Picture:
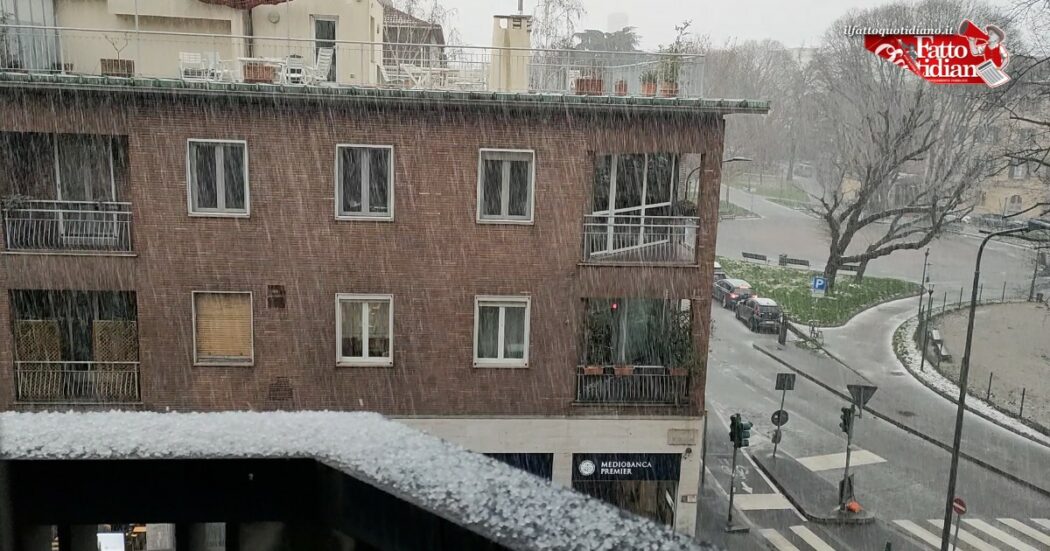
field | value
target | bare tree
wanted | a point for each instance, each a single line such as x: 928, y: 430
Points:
x: 899, y: 158
x: 1026, y: 99
x: 554, y: 23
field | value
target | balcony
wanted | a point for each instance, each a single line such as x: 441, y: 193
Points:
x: 646, y: 385
x: 226, y: 59
x: 639, y: 239
x: 81, y: 226
x: 77, y: 382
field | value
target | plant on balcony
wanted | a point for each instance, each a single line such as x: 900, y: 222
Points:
x: 681, y: 353
x: 649, y: 79
x: 15, y: 201
x: 598, y: 345
x: 671, y: 63
x: 591, y: 81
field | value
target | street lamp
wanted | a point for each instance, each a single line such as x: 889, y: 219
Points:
x: 734, y: 159
x: 925, y: 263
x: 925, y: 327
x: 964, y: 370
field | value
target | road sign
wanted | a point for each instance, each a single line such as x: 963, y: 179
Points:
x: 861, y: 393
x: 818, y: 286
x: 785, y: 381
x: 780, y: 418
x: 959, y: 506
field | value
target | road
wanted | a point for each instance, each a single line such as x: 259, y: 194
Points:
x: 900, y: 477
x: 782, y: 230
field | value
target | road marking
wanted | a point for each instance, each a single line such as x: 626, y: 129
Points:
x: 812, y: 539
x: 998, y: 534
x: 1044, y: 522
x: 751, y: 502
x: 778, y: 540
x: 1026, y: 530
x: 967, y: 537
x: 920, y: 532
x: 838, y: 460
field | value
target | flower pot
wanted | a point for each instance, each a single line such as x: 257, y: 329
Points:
x: 594, y: 370
x: 648, y: 88
x: 623, y: 370
x: 679, y: 372
x: 260, y: 72
x: 669, y: 89
x: 590, y: 86
x: 621, y: 87
x: 117, y: 67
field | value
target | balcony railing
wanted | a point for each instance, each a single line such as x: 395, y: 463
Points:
x: 224, y: 58
x: 646, y: 385
x: 77, y: 382
x: 639, y: 239
x: 33, y: 225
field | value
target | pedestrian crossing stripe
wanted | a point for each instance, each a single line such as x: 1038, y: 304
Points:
x: 778, y: 540
x: 1027, y: 530
x: 970, y: 541
x: 919, y: 532
x: 838, y: 460
x: 966, y: 537
x: 999, y: 534
x: 812, y: 539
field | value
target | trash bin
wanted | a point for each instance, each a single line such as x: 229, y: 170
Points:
x: 1039, y: 297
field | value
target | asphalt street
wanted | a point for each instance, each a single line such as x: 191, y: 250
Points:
x: 900, y: 477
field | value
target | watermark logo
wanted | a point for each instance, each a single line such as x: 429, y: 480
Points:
x: 971, y: 56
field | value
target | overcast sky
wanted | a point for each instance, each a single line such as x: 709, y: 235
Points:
x: 793, y: 22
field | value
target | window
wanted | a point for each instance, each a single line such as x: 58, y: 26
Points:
x: 1018, y: 170
x: 364, y: 326
x: 501, y: 331
x: 638, y: 331
x: 364, y: 181
x: 218, y: 177
x: 324, y: 37
x: 505, y: 185
x: 222, y: 328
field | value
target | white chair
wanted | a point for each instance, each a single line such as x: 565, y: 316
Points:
x: 192, y: 66
x: 323, y: 65
x: 294, y: 71
x: 217, y: 68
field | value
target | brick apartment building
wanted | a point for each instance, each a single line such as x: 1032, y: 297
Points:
x: 527, y: 275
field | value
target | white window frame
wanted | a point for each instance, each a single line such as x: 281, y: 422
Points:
x: 251, y: 319
x: 351, y: 361
x: 366, y: 167
x: 494, y: 154
x: 220, y: 184
x: 503, y: 301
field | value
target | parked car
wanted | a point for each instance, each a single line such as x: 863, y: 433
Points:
x: 720, y: 274
x: 759, y: 313
x: 731, y: 291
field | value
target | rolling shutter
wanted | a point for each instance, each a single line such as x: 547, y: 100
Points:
x: 223, y: 327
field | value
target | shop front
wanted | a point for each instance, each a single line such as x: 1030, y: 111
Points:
x: 643, y: 483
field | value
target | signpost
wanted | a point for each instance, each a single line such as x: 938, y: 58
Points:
x: 785, y: 382
x: 818, y: 286
x: 959, y: 506
x: 861, y: 394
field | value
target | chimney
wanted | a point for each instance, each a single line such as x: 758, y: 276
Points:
x: 511, y: 39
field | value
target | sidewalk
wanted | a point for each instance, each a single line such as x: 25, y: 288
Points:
x: 865, y: 346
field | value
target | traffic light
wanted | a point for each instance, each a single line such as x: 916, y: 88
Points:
x: 744, y: 434
x: 847, y: 420
x: 739, y: 431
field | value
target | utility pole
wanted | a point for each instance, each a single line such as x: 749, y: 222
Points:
x: 739, y: 432
x: 925, y: 262
x: 926, y: 329
x: 846, y: 486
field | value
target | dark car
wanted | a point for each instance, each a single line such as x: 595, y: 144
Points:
x: 759, y: 313
x: 731, y: 291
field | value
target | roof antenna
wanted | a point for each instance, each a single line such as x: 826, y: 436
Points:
x: 521, y: 7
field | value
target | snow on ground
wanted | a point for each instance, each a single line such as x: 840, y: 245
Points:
x: 493, y: 499
x: 911, y: 358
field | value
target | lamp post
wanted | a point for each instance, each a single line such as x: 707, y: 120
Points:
x: 964, y: 371
x: 734, y: 159
x: 925, y: 263
x: 925, y: 327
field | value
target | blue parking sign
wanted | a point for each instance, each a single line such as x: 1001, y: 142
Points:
x: 819, y: 283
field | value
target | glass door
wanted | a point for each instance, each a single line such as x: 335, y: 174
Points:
x: 324, y: 37
x: 632, y: 195
x: 84, y: 176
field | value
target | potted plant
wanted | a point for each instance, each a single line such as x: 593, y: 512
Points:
x: 649, y: 80
x: 594, y: 369
x: 669, y: 70
x: 623, y: 370
x: 681, y: 355
x: 255, y: 71
x: 591, y: 82
x: 621, y: 87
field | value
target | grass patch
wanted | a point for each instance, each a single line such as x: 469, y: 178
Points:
x: 790, y: 288
x: 769, y: 186
x: 789, y: 203
x: 730, y: 209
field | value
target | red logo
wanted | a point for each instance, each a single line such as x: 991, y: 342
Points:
x: 971, y: 56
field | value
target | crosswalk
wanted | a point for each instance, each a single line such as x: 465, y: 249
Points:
x: 1000, y: 534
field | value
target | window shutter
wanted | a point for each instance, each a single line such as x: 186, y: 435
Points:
x: 116, y: 341
x: 37, y: 341
x: 223, y: 326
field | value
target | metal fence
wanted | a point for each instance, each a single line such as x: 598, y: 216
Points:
x: 67, y: 225
x: 77, y: 382
x: 645, y: 385
x: 639, y: 238
x: 231, y: 58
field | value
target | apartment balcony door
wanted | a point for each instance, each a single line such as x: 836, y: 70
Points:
x: 631, y: 193
x: 324, y: 37
x: 86, y: 187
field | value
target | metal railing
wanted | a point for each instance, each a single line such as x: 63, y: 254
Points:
x: 226, y: 58
x: 639, y: 239
x: 77, y: 382
x: 645, y: 385
x: 67, y: 225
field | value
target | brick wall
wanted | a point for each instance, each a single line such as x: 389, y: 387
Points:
x: 434, y: 258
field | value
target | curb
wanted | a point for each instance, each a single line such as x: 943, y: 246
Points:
x: 1030, y: 424
x: 866, y: 518
x: 979, y: 462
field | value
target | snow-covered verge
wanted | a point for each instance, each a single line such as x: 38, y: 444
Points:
x: 495, y: 500
x: 908, y: 353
